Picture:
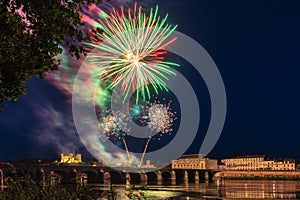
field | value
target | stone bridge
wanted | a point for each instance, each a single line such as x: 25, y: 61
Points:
x: 102, y: 174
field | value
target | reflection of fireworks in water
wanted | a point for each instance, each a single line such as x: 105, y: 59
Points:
x: 132, y: 51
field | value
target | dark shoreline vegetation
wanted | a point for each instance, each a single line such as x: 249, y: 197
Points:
x: 30, y: 187
x: 27, y: 186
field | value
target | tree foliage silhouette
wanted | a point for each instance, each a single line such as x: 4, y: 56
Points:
x: 31, y: 32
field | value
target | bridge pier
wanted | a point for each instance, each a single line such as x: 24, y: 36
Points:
x: 101, y: 175
x: 206, y: 176
x: 144, y: 179
x: 80, y: 177
x: 127, y: 186
x: 173, y: 177
x: 107, y: 178
x: 196, y: 177
x: 159, y: 178
x: 54, y: 179
x: 186, y: 176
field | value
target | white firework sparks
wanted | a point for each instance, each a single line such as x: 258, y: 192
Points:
x: 158, y: 116
x: 161, y: 118
x: 114, y: 123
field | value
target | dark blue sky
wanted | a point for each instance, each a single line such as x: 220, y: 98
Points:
x: 256, y: 46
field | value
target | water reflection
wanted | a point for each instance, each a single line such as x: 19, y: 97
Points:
x: 260, y: 189
x: 229, y: 189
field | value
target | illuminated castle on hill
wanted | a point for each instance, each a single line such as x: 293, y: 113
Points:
x: 71, y: 158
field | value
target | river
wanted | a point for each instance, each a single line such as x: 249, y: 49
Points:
x: 228, y: 189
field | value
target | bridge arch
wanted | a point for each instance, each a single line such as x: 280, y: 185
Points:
x: 152, y: 178
x: 192, y: 176
x: 166, y: 177
x: 135, y: 178
x: 179, y: 176
x: 116, y: 177
x: 92, y: 176
x: 66, y: 177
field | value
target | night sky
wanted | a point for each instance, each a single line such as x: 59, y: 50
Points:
x: 256, y: 46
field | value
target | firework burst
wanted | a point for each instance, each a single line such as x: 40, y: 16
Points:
x: 114, y: 124
x: 131, y: 51
x: 161, y: 118
x: 158, y: 116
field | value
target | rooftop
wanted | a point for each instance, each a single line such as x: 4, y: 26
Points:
x: 191, y: 156
x: 252, y: 156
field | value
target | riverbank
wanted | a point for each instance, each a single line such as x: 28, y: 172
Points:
x: 259, y: 175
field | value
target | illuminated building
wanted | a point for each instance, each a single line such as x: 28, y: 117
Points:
x: 258, y: 163
x: 71, y: 158
x: 194, y: 162
x: 148, y: 164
